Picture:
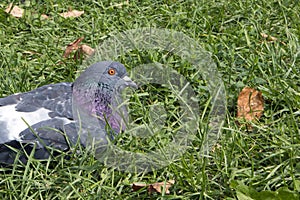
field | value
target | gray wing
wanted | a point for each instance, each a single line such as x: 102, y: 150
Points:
x: 58, y: 131
x: 54, y: 97
x: 46, y: 102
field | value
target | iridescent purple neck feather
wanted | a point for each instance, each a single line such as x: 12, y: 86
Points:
x: 96, y: 93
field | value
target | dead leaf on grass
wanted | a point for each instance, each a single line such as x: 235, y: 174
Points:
x: 120, y: 5
x: 250, y: 104
x: 80, y: 50
x: 44, y: 16
x: 87, y: 50
x: 71, y: 13
x: 137, y: 186
x: 271, y: 39
x: 268, y: 37
x: 73, y: 46
x: 83, y: 50
x: 216, y: 147
x: 158, y: 187
x: 14, y: 11
x: 154, y: 187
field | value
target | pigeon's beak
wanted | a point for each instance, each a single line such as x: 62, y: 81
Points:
x: 129, y: 82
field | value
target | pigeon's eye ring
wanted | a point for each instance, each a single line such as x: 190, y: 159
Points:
x: 111, y: 71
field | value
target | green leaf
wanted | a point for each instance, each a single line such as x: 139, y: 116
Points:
x: 243, y: 191
x: 285, y: 193
x: 265, y: 195
x: 242, y: 196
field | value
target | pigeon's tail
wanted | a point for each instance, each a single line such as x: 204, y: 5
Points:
x: 40, y: 144
x: 15, y: 152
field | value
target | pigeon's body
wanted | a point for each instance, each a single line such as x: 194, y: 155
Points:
x: 44, y: 117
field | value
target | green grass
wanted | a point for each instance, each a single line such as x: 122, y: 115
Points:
x: 244, y: 163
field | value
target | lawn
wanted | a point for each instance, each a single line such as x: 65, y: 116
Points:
x: 253, y: 43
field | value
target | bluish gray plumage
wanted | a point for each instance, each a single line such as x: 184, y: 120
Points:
x: 49, y: 110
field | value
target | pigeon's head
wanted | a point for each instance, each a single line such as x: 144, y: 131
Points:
x: 115, y: 75
x: 97, y: 92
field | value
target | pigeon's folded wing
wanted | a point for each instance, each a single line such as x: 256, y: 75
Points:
x: 19, y: 111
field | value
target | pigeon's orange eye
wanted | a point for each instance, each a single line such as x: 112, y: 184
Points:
x: 111, y: 71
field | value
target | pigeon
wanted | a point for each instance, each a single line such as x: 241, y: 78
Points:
x: 49, y: 117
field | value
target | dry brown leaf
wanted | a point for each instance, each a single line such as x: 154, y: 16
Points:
x: 271, y: 39
x: 250, y: 104
x: 71, y: 13
x: 80, y: 50
x: 137, y: 186
x: 44, y: 16
x: 14, y: 11
x: 157, y: 187
x: 73, y: 46
x: 154, y: 187
x: 83, y: 50
x: 87, y: 50
x: 268, y: 37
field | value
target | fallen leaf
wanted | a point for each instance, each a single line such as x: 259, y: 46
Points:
x: 250, y: 104
x: 14, y: 11
x: 87, y: 50
x: 216, y: 147
x: 137, y: 186
x: 71, y: 13
x: 83, y: 50
x: 120, y: 5
x: 157, y: 187
x: 268, y: 37
x: 154, y: 187
x: 73, y: 46
x: 43, y: 16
